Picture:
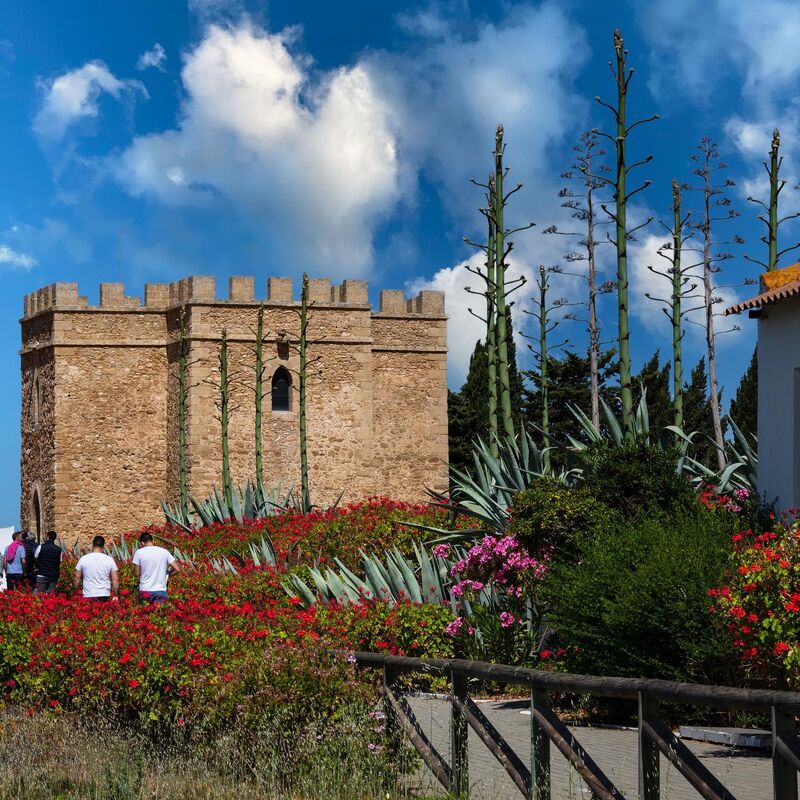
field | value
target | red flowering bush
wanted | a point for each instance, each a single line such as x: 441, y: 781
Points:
x: 374, y: 526
x: 759, y: 605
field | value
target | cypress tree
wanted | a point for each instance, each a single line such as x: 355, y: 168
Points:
x: 569, y: 384
x: 698, y: 416
x: 468, y: 409
x: 654, y: 379
x: 744, y: 406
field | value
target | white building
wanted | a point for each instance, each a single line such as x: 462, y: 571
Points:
x: 777, y: 309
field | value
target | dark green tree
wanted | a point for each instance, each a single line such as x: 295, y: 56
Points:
x: 654, y: 380
x: 744, y: 406
x: 569, y: 384
x: 698, y: 416
x: 468, y: 409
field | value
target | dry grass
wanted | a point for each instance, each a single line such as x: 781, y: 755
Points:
x: 47, y: 757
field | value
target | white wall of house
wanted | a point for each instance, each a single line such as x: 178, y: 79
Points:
x: 779, y: 403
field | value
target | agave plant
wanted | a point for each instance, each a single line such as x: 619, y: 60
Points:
x: 485, y: 492
x: 427, y: 579
x: 740, y: 470
x: 251, y: 501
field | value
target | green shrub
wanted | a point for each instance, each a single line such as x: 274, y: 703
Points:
x: 636, y: 604
x: 549, y: 514
x: 635, y: 478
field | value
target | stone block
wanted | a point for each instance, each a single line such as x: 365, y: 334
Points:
x: 393, y: 301
x: 355, y: 292
x: 430, y: 303
x: 319, y: 290
x: 157, y: 295
x: 242, y: 288
x: 112, y: 295
x: 279, y: 290
x: 65, y: 294
x: 202, y: 288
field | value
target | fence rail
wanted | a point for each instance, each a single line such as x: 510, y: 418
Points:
x: 654, y: 737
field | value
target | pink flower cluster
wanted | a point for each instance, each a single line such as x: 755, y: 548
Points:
x: 500, y: 560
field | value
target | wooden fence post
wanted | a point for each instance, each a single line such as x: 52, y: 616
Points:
x: 459, y: 738
x: 784, y: 773
x: 540, y: 749
x: 649, y: 756
x: 393, y: 737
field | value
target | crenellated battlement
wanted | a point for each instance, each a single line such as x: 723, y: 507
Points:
x: 241, y: 289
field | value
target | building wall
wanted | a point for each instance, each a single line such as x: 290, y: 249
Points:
x: 779, y: 404
x: 103, y: 453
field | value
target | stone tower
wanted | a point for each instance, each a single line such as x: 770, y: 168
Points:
x: 99, y: 397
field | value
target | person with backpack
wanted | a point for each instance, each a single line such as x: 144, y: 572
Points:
x: 48, y: 557
x: 14, y: 562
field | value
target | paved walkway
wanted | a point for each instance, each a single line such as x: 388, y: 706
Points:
x: 748, y: 774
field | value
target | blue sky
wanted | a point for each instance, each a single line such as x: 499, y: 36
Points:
x: 147, y: 141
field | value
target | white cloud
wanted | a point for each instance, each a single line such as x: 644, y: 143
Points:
x: 314, y: 158
x: 75, y: 94
x: 154, y: 57
x: 449, y: 96
x: 12, y: 258
x: 644, y: 253
x: 696, y: 43
x: 463, y: 327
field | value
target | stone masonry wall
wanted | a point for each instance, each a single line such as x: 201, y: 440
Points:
x: 104, y: 451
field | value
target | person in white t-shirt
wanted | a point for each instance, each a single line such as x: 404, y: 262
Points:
x: 98, y: 572
x: 153, y: 565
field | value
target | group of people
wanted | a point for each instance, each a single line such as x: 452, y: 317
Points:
x: 38, y: 566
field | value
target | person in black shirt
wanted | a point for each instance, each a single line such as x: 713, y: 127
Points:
x: 48, y: 563
x: 30, y: 559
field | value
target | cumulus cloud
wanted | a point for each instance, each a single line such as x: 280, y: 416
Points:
x: 153, y: 58
x: 464, y: 329
x: 449, y: 95
x: 643, y: 281
x: 12, y: 258
x: 75, y: 95
x: 315, y: 158
x: 696, y: 43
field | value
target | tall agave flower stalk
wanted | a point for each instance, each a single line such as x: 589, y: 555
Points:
x: 681, y: 288
x: 225, y: 416
x: 496, y: 291
x: 772, y: 219
x: 302, y: 377
x: 677, y: 294
x: 491, y: 331
x: 589, y: 170
x: 715, y: 208
x: 182, y: 376
x: 500, y: 288
x: 541, y: 312
x: 619, y: 216
x: 259, y: 393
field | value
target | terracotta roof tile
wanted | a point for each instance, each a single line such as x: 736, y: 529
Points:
x: 767, y: 298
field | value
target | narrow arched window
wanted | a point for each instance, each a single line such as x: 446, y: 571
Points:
x: 37, y: 515
x: 281, y: 390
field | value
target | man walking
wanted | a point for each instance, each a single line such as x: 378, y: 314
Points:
x: 48, y: 563
x: 153, y: 565
x: 14, y: 562
x: 98, y: 573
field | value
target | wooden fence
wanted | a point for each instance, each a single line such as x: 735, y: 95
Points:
x: 547, y: 728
